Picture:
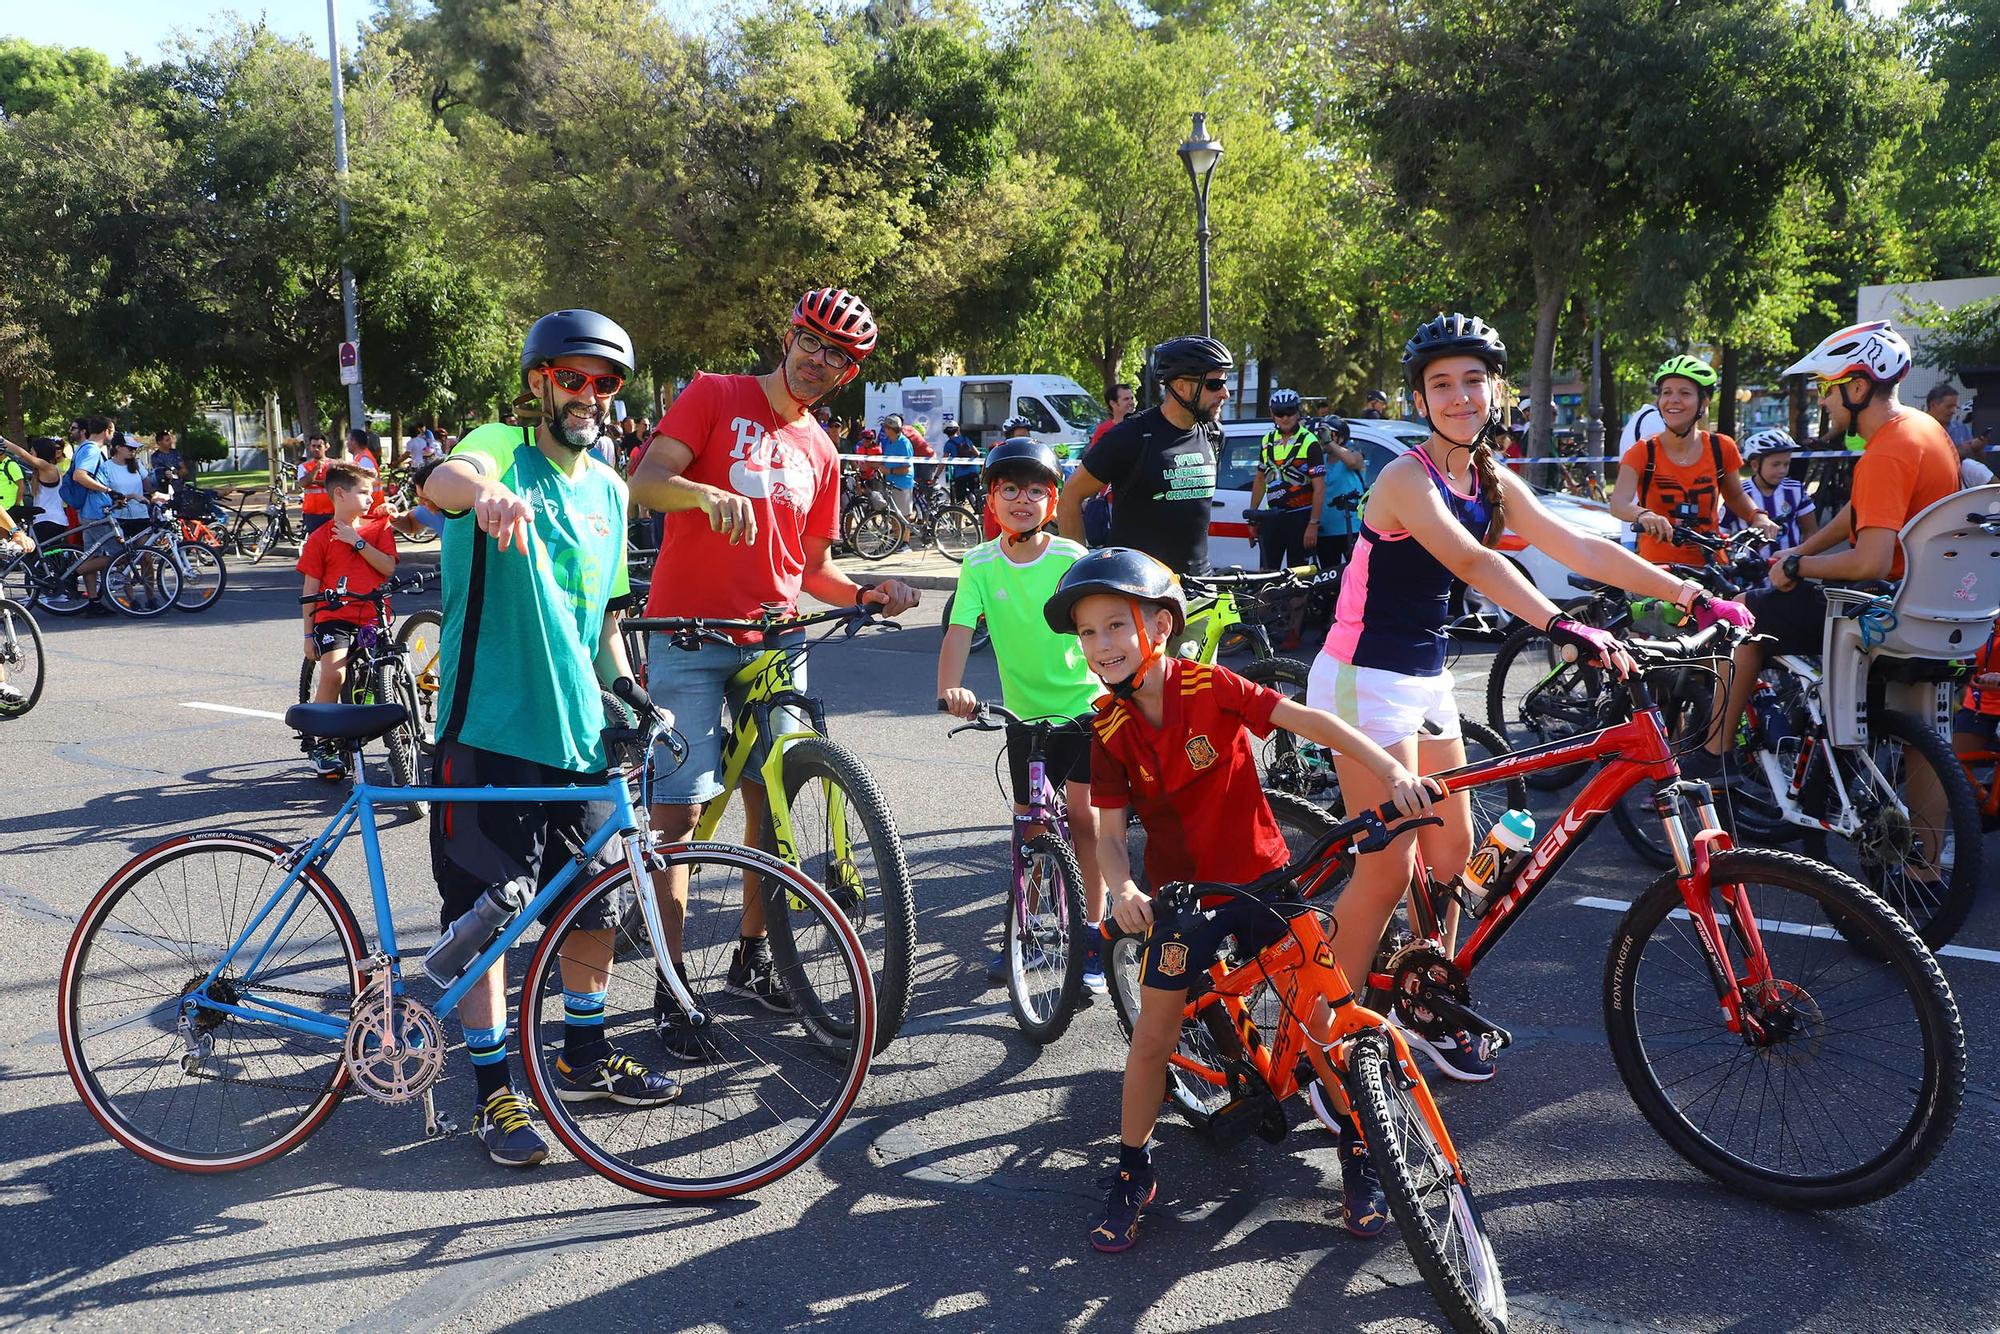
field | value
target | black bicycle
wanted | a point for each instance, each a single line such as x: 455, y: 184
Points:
x: 379, y: 671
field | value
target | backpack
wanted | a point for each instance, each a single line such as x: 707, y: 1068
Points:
x: 74, y: 493
x: 1653, y: 462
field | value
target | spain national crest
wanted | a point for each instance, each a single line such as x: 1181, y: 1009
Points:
x: 1173, y: 959
x: 1199, y: 752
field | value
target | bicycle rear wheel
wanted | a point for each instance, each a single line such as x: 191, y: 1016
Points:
x: 1197, y: 1093
x: 197, y: 1088
x: 1858, y: 1080
x: 1044, y: 939
x: 1286, y: 762
x: 55, y: 588
x: 872, y: 533
x: 1920, y: 843
x: 203, y: 578
x: 21, y: 659
x: 418, y: 639
x: 1430, y: 1198
x: 956, y: 530
x: 765, y: 1091
x: 844, y: 837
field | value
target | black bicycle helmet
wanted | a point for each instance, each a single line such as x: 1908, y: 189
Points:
x: 1119, y: 570
x: 1190, y: 354
x: 1283, y: 401
x: 1335, y: 426
x: 576, y: 333
x: 1021, y: 457
x: 1453, y: 335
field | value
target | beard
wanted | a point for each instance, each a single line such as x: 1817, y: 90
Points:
x: 574, y: 435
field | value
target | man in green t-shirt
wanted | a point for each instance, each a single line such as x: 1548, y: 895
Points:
x: 533, y: 566
x: 1042, y: 674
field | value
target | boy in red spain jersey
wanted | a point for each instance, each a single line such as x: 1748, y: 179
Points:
x: 1172, y: 740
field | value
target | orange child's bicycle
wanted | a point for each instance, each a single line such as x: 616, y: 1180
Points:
x: 1323, y: 1031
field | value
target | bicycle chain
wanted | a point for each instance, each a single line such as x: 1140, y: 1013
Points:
x: 267, y: 1083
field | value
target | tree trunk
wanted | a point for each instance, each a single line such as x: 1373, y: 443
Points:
x: 1797, y: 414
x: 1725, y: 393
x: 1551, y: 291
x: 17, y: 420
x: 1263, y: 383
x: 391, y: 448
x: 302, y: 399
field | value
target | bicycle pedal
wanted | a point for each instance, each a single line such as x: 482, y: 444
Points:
x: 437, y: 1125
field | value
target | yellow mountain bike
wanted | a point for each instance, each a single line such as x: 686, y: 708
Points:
x: 826, y: 815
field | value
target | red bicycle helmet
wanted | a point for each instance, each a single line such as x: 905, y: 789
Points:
x: 837, y: 315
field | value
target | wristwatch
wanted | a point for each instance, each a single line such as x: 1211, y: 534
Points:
x: 1791, y: 568
x: 360, y: 544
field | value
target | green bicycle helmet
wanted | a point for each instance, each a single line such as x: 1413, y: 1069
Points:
x: 1687, y: 368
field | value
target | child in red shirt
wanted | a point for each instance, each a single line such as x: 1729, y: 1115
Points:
x: 1173, y: 741
x: 1975, y: 728
x: 360, y: 548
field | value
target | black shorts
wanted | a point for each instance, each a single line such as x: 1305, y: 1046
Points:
x: 1985, y: 726
x: 1178, y: 952
x: 1281, y: 538
x: 1065, y: 758
x: 330, y: 635
x: 1796, y: 620
x: 477, y: 845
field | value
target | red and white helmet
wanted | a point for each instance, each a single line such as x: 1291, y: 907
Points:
x: 837, y: 315
x: 1872, y: 349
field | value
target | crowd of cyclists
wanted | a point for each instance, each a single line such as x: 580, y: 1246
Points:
x: 1085, y: 626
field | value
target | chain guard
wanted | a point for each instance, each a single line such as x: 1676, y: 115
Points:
x: 1420, y: 969
x: 395, y: 1045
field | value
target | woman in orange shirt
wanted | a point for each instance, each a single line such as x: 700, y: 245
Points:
x: 1683, y: 474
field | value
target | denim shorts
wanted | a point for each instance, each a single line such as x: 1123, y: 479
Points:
x: 694, y: 684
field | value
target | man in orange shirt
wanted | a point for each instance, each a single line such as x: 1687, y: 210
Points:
x: 1907, y: 463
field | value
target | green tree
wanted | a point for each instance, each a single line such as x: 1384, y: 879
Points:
x: 1952, y: 175
x: 35, y: 77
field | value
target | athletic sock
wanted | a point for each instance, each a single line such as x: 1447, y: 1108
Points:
x: 583, y: 1028
x: 1134, y: 1161
x: 488, y: 1049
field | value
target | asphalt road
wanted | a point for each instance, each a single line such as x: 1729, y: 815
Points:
x: 960, y: 1191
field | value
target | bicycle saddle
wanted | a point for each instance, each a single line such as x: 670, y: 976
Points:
x: 345, y: 722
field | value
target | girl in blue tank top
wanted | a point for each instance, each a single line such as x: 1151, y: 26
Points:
x: 1435, y: 515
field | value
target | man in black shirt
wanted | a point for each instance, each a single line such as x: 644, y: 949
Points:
x: 1161, y: 461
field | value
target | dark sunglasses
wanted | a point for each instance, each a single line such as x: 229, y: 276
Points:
x: 572, y: 381
x: 1287, y: 412
x: 1215, y: 386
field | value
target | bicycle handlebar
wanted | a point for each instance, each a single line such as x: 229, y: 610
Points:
x: 1370, y: 831
x: 338, y: 596
x: 988, y: 717
x: 690, y: 631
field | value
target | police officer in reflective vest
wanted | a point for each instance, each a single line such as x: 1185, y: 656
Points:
x: 1291, y: 477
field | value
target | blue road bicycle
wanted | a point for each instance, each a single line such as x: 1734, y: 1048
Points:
x: 218, y: 996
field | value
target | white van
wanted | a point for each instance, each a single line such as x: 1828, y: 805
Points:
x: 1060, y: 410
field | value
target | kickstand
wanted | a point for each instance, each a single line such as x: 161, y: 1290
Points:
x: 436, y: 1124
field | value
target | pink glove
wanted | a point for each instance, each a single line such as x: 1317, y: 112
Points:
x: 1592, y: 645
x: 1708, y: 610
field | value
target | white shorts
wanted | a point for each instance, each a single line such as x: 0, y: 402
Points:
x: 1384, y: 706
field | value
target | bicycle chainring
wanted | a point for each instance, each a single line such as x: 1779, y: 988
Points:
x: 1419, y: 969
x: 395, y: 1045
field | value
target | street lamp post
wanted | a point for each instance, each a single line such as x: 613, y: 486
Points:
x: 355, y: 415
x: 1200, y: 154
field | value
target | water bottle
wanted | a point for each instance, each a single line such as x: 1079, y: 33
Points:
x: 1511, y: 834
x: 1774, y: 722
x: 474, y: 931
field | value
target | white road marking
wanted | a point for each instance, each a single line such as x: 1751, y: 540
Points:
x: 1792, y: 929
x: 231, y: 708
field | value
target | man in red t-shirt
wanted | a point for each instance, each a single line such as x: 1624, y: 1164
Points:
x: 1173, y: 743
x: 1907, y: 464
x: 353, y: 551
x: 750, y: 488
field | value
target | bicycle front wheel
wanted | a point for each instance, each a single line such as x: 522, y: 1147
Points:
x: 180, y: 1083
x: 203, y: 577
x: 21, y: 660
x: 57, y: 589
x: 760, y: 1091
x: 1427, y: 1192
x: 872, y: 533
x: 843, y: 837
x: 392, y: 687
x: 418, y: 639
x: 1045, y: 939
x: 1853, y: 1076
x: 256, y: 534
x: 956, y: 530
x: 142, y: 583
x: 1919, y: 844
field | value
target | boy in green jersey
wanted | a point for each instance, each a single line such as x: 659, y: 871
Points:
x: 1042, y: 674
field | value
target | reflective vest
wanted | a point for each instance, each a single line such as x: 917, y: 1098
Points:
x: 1284, y: 463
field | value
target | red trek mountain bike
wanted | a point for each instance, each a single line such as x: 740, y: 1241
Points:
x: 1777, y: 1023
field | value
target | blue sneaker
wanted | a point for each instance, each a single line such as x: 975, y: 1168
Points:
x: 615, y: 1076
x: 1364, y: 1209
x: 1130, y: 1192
x: 1459, y: 1056
x: 502, y: 1127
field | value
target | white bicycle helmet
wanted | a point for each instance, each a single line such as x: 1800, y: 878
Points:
x: 1770, y: 440
x: 1873, y: 349
x: 1284, y: 401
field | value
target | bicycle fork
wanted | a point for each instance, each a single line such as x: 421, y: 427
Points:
x: 1692, y: 858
